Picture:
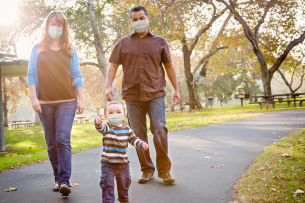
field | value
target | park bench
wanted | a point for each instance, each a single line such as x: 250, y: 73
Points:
x: 278, y: 98
x: 19, y: 124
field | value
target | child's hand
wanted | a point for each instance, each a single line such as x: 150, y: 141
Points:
x: 99, y: 120
x: 145, y: 147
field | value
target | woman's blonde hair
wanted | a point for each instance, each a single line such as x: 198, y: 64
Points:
x: 66, y: 38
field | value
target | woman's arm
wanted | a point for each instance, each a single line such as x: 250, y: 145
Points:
x: 81, y: 102
x: 35, y: 102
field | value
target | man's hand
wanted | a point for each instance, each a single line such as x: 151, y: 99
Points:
x: 176, y: 97
x: 36, y: 105
x: 80, y: 106
x: 145, y: 147
x: 109, y: 93
x: 99, y: 120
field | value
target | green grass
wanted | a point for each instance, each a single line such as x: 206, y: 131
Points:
x: 27, y: 145
x: 277, y: 173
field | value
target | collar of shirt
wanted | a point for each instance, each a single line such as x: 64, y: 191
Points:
x: 134, y: 34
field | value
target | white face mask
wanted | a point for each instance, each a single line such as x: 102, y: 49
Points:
x: 55, y: 31
x: 116, y: 118
x: 140, y: 25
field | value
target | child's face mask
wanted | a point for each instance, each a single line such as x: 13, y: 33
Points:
x: 116, y: 118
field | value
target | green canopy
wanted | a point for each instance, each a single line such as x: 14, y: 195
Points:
x: 10, y: 66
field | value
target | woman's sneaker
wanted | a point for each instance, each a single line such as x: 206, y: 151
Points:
x: 56, y: 187
x: 64, y: 189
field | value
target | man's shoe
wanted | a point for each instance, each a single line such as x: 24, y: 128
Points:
x: 167, y: 178
x: 64, y: 189
x: 146, y: 176
x: 56, y: 187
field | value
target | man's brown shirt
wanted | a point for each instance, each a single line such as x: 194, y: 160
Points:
x: 142, y: 59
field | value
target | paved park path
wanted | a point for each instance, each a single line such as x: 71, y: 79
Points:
x: 207, y: 161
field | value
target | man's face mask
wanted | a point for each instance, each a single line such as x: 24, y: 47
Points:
x: 140, y: 25
x: 55, y: 31
x: 116, y: 118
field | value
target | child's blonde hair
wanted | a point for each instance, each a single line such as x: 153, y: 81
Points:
x: 113, y: 102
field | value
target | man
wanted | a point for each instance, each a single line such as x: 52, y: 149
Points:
x: 142, y: 55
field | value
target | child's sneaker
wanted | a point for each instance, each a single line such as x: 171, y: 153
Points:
x: 64, y: 189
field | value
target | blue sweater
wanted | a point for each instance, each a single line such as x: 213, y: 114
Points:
x: 74, y: 68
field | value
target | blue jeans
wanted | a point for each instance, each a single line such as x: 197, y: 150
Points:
x: 57, y: 120
x: 121, y: 173
x: 155, y: 109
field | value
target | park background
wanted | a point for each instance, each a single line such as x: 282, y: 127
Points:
x: 220, y: 49
x: 211, y: 51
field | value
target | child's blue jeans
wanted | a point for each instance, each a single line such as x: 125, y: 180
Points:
x: 119, y: 171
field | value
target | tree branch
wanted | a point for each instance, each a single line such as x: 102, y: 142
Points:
x: 283, y: 56
x: 261, y: 21
x: 205, y: 57
x: 205, y: 28
x: 285, y: 80
x: 206, y: 62
x: 88, y: 63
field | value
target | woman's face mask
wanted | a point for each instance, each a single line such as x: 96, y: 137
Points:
x: 116, y: 118
x: 55, y: 31
x: 140, y: 25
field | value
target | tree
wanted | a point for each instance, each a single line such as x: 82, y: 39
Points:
x: 181, y: 18
x: 224, y: 87
x: 277, y: 13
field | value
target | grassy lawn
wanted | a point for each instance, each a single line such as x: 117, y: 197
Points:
x: 27, y: 145
x: 277, y: 173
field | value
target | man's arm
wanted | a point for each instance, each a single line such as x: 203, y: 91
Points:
x: 110, y: 77
x: 171, y: 73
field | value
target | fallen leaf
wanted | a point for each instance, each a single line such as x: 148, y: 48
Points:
x: 10, y: 189
x: 299, y: 192
x: 213, y: 166
x: 286, y: 155
x: 261, y: 168
x: 74, y: 184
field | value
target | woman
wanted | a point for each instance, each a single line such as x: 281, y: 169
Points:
x: 55, y: 86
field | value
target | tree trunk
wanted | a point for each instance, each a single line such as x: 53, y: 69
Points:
x: 189, y: 78
x: 5, y: 111
x: 100, y: 53
x: 2, y: 140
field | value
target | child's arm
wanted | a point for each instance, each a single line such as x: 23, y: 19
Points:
x: 99, y: 125
x: 136, y: 142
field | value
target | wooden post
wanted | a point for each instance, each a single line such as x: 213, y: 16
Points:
x: 2, y: 140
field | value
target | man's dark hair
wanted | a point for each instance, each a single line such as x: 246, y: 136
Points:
x: 139, y: 8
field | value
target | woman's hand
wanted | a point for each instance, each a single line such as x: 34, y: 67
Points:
x: 36, y: 105
x: 80, y: 106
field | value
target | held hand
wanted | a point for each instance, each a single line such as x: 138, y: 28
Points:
x: 99, y: 120
x: 176, y: 97
x: 109, y: 94
x: 80, y: 107
x: 145, y: 147
x: 36, y: 105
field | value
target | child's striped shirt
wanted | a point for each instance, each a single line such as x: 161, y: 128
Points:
x: 115, y: 142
